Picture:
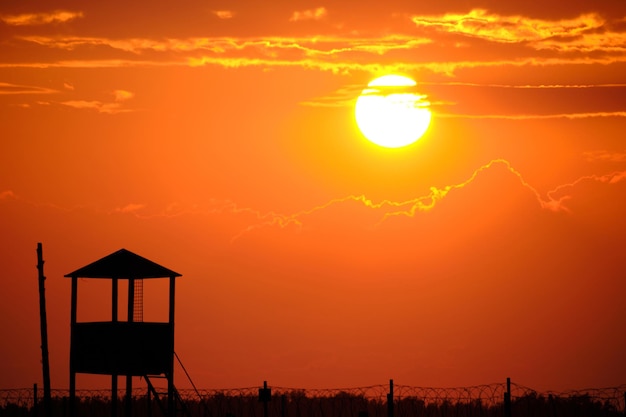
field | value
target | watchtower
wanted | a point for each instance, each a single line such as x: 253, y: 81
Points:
x: 123, y: 348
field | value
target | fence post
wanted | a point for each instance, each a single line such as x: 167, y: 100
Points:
x: 390, y: 399
x: 507, y: 399
x: 265, y: 395
x: 283, y: 405
x: 35, y: 411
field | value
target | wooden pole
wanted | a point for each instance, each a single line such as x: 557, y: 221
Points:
x: 390, y: 399
x: 73, y: 319
x: 265, y: 399
x: 171, y: 411
x: 114, y: 308
x: 45, y: 363
x: 507, y: 398
x: 35, y: 411
x: 129, y: 378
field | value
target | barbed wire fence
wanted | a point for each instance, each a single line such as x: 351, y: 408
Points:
x: 368, y: 401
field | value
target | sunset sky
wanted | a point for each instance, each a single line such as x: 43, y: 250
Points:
x: 218, y: 139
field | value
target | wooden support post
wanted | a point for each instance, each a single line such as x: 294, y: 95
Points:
x: 390, y: 399
x: 507, y: 399
x: 129, y: 378
x: 265, y: 395
x: 283, y: 405
x: 73, y: 315
x: 43, y: 321
x: 171, y: 411
x: 114, y: 319
x: 35, y: 411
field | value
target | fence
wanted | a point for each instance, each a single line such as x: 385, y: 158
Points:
x: 371, y: 401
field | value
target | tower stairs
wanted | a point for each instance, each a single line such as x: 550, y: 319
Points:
x: 160, y: 396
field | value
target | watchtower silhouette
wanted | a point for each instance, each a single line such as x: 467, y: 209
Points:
x: 129, y: 348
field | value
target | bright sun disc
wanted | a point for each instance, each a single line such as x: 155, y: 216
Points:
x: 390, y: 114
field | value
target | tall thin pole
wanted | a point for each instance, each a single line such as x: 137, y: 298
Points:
x: 266, y: 397
x: 114, y: 308
x: 45, y: 363
x: 390, y: 399
x: 507, y: 398
x: 129, y: 378
x: 73, y: 319
x: 171, y: 411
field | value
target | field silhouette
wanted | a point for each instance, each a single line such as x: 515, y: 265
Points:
x: 477, y: 401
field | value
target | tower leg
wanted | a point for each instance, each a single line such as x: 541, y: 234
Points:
x: 129, y: 393
x: 72, y: 393
x: 113, y: 395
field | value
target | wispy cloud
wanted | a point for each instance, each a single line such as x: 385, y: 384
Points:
x: 605, y: 156
x: 340, y: 54
x: 309, y: 14
x: 114, y: 107
x: 554, y: 200
x: 606, y: 41
x: 31, y: 19
x: 526, y: 86
x: 480, y: 23
x: 8, y: 88
x: 259, y: 46
x: 338, y: 66
x: 570, y: 116
x: 7, y: 194
x: 224, y: 14
x: 585, y: 33
x: 129, y: 208
x: 345, y: 96
x: 122, y: 95
x: 446, y: 68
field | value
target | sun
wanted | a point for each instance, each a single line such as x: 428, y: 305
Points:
x: 389, y: 113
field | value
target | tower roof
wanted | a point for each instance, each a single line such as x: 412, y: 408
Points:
x: 123, y: 264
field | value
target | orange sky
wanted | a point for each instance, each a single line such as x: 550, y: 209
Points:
x: 218, y: 139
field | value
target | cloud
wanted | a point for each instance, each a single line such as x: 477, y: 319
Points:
x: 335, y: 65
x: 612, y: 178
x: 30, y: 19
x: 7, y: 194
x: 345, y: 96
x: 610, y: 42
x: 129, y: 208
x: 8, y: 88
x: 122, y: 95
x: 224, y: 14
x: 570, y: 116
x: 584, y: 33
x: 309, y: 14
x: 444, y: 68
x: 525, y: 86
x: 479, y: 23
x: 119, y: 97
x: 387, y: 209
x: 261, y: 46
x: 553, y: 201
x: 339, y: 54
x: 605, y: 156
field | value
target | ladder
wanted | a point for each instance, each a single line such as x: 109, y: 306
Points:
x: 161, y: 399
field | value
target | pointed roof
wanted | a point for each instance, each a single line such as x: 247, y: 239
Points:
x: 123, y: 264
